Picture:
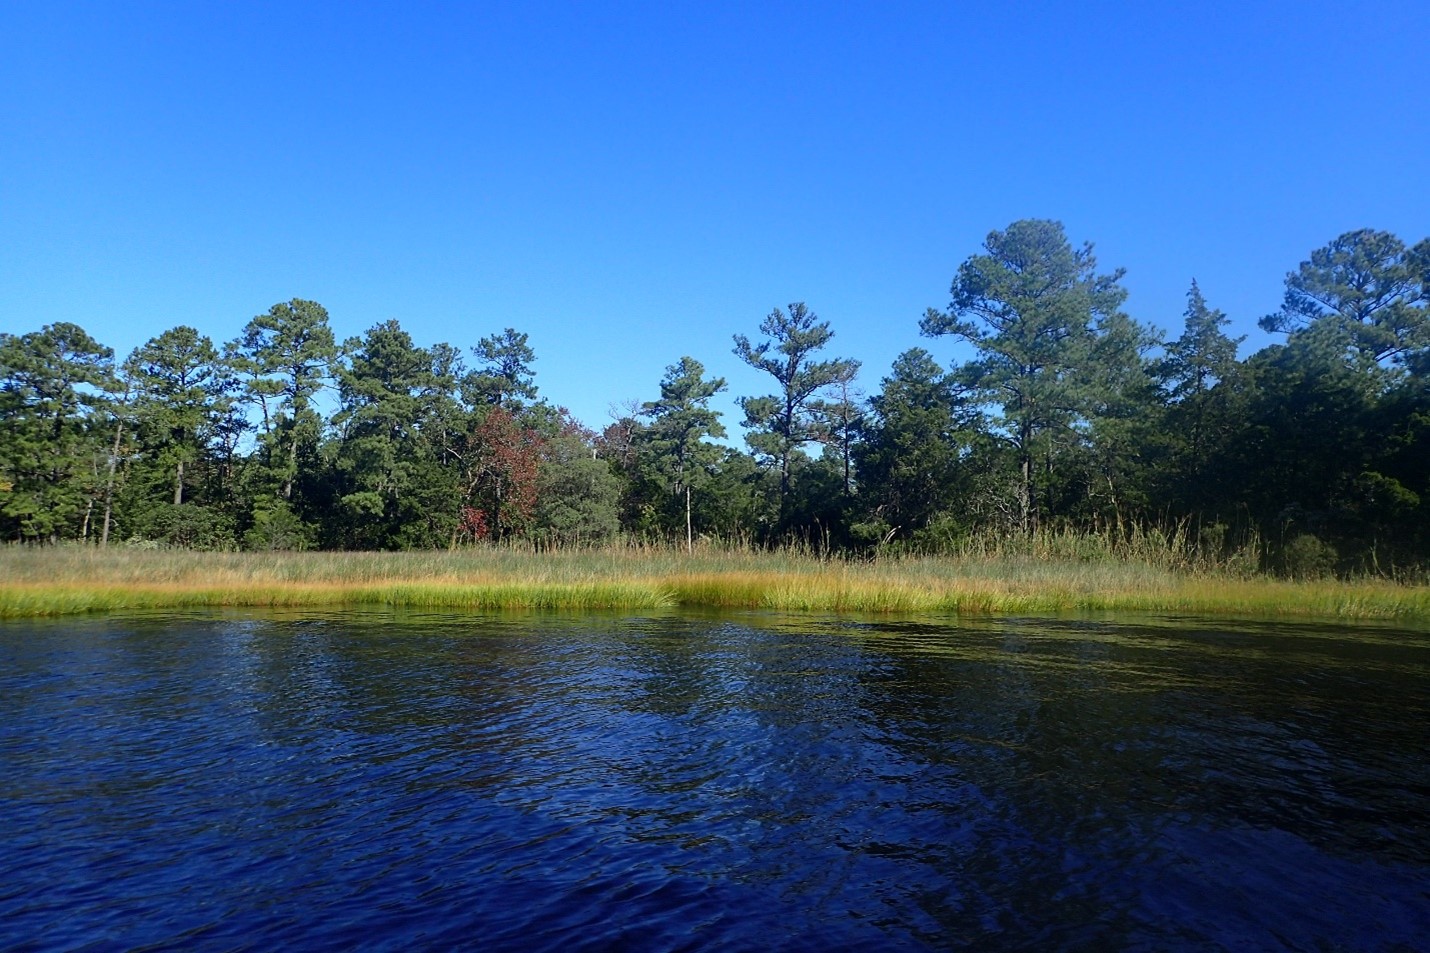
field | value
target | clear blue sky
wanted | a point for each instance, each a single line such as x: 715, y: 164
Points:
x: 631, y: 182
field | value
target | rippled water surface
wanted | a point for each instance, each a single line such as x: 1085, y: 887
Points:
x: 711, y: 783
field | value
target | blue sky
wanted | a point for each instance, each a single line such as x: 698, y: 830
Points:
x: 631, y: 182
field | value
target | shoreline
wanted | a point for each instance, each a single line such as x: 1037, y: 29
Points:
x: 72, y: 581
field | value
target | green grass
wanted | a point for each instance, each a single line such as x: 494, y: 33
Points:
x: 1014, y: 580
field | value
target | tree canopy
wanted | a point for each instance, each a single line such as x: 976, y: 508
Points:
x: 1067, y: 415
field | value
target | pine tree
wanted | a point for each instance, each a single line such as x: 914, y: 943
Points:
x: 1370, y: 285
x: 287, y: 356
x: 909, y: 460
x: 504, y: 378
x: 782, y: 423
x: 1032, y: 307
x: 182, y: 396
x: 674, y: 443
x: 394, y: 491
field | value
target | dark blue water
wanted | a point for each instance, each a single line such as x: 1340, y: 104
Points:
x: 708, y: 783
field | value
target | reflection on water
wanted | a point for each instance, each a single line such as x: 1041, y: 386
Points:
x: 706, y: 782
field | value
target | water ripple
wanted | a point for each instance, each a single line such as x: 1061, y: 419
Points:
x: 687, y: 783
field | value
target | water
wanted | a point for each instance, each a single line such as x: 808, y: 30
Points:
x: 711, y: 783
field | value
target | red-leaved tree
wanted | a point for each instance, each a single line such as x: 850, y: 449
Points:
x: 504, y: 458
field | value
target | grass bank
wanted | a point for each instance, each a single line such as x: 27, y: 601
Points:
x: 67, y: 580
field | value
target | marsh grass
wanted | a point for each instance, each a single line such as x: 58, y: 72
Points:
x: 1057, y: 576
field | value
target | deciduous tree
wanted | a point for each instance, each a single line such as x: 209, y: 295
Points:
x: 505, y: 464
x: 577, y: 494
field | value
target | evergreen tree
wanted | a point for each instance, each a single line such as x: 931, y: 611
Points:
x: 909, y: 462
x: 1305, y: 438
x: 1205, y: 387
x: 52, y: 392
x: 736, y: 502
x: 674, y: 443
x: 1370, y: 285
x: 1392, y: 494
x: 184, y: 419
x: 1122, y: 423
x: 1032, y: 306
x: 1323, y: 456
x: 287, y: 356
x: 504, y: 378
x: 394, y: 491
x: 182, y: 396
x: 782, y: 423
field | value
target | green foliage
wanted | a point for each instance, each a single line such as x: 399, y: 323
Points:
x: 1047, y: 330
x: 577, y: 495
x: 286, y: 356
x: 1202, y: 357
x: 1305, y: 556
x: 1304, y: 437
x: 1207, y: 391
x: 393, y: 491
x: 53, y: 385
x: 186, y: 526
x: 910, y: 460
x: 1367, y: 285
x: 1064, y: 437
x: 277, y: 528
x: 738, y: 504
x: 781, y: 423
x: 673, y: 448
x: 505, y: 377
x: 183, y: 402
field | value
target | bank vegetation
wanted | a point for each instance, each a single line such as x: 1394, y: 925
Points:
x: 1046, y: 428
x: 1050, y: 573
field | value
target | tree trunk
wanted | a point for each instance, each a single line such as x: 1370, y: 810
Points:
x: 848, y: 481
x: 496, y: 513
x: 1025, y: 481
x: 689, y: 537
x: 292, y: 465
x: 179, y: 484
x: 109, y: 484
x: 784, y: 484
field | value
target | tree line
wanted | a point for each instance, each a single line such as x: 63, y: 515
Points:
x: 1071, y: 415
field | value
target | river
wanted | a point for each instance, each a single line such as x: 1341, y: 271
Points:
x: 711, y: 782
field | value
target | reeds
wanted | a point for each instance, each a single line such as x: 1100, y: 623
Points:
x: 1016, y: 579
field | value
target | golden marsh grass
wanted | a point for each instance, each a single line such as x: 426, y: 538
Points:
x: 65, y: 580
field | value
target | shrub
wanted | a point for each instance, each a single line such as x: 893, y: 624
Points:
x: 1307, y: 557
x: 277, y: 527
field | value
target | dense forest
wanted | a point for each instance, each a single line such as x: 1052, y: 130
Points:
x: 1071, y: 416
